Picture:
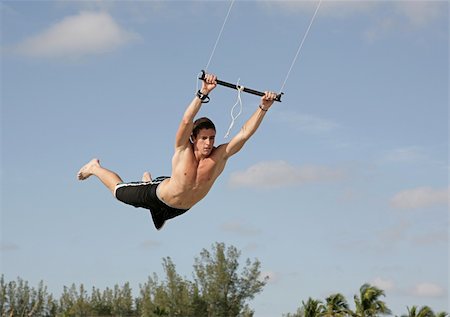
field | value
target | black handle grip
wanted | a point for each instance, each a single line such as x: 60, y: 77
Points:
x: 245, y: 89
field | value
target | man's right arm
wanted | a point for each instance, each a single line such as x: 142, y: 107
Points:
x: 187, y: 122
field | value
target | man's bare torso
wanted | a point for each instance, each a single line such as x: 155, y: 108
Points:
x: 191, y: 178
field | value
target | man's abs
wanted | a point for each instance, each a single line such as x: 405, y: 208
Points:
x: 181, y: 196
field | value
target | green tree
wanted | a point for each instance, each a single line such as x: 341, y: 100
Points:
x: 144, y: 303
x: 122, y: 302
x: 175, y: 293
x: 424, y: 311
x: 100, y: 303
x: 20, y: 299
x: 368, y: 303
x: 171, y: 297
x: 312, y: 308
x: 223, y: 288
x: 199, y: 305
x: 335, y: 306
x: 40, y: 302
x: 17, y: 298
x: 75, y: 302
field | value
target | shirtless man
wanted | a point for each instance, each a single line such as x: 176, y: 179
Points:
x: 196, y: 163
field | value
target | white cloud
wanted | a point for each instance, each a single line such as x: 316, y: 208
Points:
x: 83, y: 34
x: 333, y: 8
x: 424, y: 289
x: 431, y: 238
x: 427, y: 289
x: 391, y: 235
x: 384, y: 284
x: 405, y: 154
x: 416, y: 13
x: 419, y: 13
x: 405, y: 16
x: 383, y: 17
x: 420, y: 197
x: 306, y: 122
x: 281, y: 173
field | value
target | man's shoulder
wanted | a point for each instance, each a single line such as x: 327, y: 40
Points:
x: 219, y: 151
x: 220, y: 147
x: 185, y: 147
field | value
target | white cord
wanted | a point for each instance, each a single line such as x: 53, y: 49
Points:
x: 238, y: 101
x: 220, y: 34
x: 300, y: 46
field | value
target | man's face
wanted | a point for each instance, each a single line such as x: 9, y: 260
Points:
x: 204, y: 142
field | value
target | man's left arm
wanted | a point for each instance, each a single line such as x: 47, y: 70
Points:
x: 250, y: 127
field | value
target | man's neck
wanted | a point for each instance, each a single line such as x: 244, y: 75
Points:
x: 200, y: 157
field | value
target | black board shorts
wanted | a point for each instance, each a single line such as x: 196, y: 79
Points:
x: 143, y: 195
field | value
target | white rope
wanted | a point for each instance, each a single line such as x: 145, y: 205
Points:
x: 241, y: 88
x: 219, y: 36
x: 301, y: 45
x: 238, y: 101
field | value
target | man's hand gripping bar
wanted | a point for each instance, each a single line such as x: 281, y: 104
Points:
x: 245, y: 89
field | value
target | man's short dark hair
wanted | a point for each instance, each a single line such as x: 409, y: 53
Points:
x: 202, y: 123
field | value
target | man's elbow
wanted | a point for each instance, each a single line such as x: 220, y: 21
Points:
x: 245, y: 134
x: 186, y: 119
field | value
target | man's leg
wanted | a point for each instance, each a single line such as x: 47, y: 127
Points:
x: 107, y: 177
x: 146, y: 177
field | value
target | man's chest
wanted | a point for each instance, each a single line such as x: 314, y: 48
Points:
x: 204, y: 171
x: 197, y: 171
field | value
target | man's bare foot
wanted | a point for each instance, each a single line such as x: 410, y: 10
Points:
x: 146, y: 177
x: 88, y: 169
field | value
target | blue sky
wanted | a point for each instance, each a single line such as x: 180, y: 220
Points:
x: 346, y: 182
